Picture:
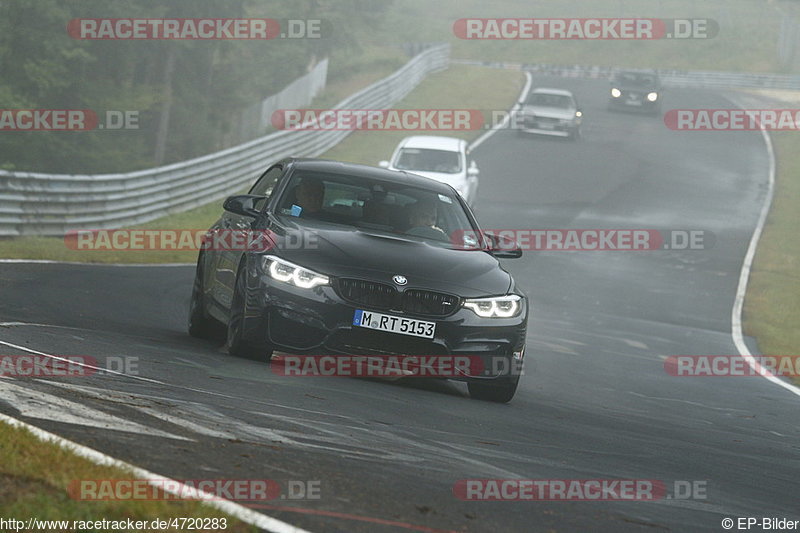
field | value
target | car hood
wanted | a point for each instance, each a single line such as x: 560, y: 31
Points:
x: 552, y: 112
x: 349, y: 252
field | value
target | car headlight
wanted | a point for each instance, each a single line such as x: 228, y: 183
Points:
x: 578, y: 114
x: 286, y: 272
x: 616, y: 93
x: 652, y: 96
x: 495, y: 307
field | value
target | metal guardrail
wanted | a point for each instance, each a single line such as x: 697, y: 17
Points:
x: 671, y: 78
x: 51, y: 204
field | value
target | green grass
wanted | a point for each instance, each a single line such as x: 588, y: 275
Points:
x: 35, y: 475
x: 460, y: 86
x: 772, y: 303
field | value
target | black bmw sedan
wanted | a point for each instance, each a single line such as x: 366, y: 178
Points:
x: 362, y: 261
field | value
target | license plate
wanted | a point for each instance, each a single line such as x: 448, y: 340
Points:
x: 394, y: 324
x: 546, y: 125
x: 634, y: 101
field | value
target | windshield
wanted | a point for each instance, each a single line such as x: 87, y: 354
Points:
x: 636, y: 78
x: 560, y: 101
x: 377, y: 206
x: 428, y: 160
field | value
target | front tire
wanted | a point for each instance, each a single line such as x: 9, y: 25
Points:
x: 239, y: 345
x: 501, y: 391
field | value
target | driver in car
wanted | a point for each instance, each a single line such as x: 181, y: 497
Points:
x: 309, y: 199
x: 310, y: 194
x: 422, y: 217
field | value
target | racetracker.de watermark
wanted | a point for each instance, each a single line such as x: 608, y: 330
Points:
x: 245, y: 240
x: 584, y: 239
x: 732, y: 365
x: 194, y: 28
x: 732, y: 119
x: 559, y: 490
x: 192, y: 489
x: 584, y: 28
x: 635, y: 490
x: 378, y: 119
x: 392, y: 366
x: 41, y: 366
x: 66, y: 366
x: 25, y: 120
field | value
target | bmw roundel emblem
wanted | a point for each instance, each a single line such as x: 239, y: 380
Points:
x: 400, y: 280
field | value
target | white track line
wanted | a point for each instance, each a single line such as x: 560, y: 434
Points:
x: 31, y: 403
x: 744, y: 277
x: 84, y: 365
x: 101, y: 370
x: 477, y: 142
x: 233, y: 509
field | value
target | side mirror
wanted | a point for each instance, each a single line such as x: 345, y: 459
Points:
x: 473, y: 169
x: 508, y: 254
x: 243, y: 204
x: 383, y: 164
x: 502, y: 246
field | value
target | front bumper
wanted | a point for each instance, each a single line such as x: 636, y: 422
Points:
x: 548, y: 126
x: 634, y: 102
x: 320, y: 322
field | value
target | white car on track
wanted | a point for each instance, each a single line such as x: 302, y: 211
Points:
x: 444, y: 159
x: 550, y: 112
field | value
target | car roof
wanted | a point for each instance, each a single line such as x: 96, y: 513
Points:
x: 547, y: 90
x: 365, y: 171
x: 434, y: 142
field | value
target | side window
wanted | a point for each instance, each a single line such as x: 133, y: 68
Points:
x: 265, y: 185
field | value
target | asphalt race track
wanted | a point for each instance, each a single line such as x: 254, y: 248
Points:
x: 595, y: 402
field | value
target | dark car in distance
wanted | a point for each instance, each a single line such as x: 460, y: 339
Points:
x: 388, y: 263
x: 636, y: 90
